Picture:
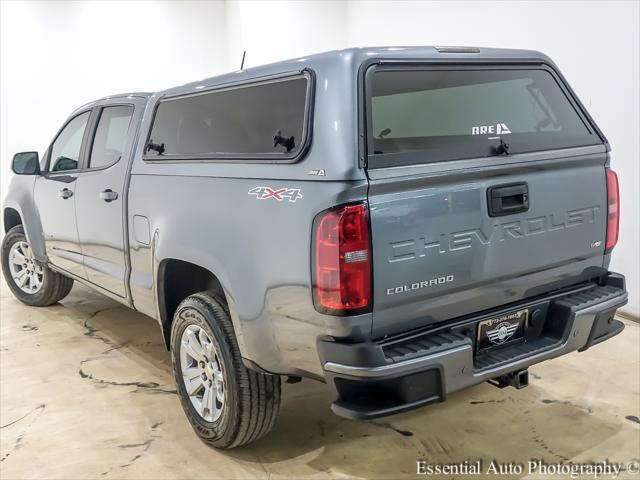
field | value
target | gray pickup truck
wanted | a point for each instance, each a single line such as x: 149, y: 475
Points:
x: 399, y: 223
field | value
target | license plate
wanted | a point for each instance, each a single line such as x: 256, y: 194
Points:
x: 501, y: 330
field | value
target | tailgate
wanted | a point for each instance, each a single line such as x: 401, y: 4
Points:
x: 461, y: 223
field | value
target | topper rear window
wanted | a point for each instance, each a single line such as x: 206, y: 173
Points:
x: 265, y: 120
x: 431, y: 115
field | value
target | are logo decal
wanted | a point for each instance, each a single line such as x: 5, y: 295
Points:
x: 498, y: 128
x: 278, y: 194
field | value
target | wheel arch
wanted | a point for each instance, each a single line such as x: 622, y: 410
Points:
x: 11, y: 218
x: 176, y: 280
x: 19, y: 208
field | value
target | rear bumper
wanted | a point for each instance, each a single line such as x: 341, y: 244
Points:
x: 377, y: 379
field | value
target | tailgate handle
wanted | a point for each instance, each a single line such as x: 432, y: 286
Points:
x: 508, y: 199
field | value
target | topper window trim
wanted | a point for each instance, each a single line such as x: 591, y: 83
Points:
x: 266, y: 157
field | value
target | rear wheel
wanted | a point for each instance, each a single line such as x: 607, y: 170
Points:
x: 227, y: 404
x: 30, y: 281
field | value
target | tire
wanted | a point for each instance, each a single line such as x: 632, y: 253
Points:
x: 250, y: 399
x: 53, y: 286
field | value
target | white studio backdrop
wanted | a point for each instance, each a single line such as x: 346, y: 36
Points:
x: 55, y: 56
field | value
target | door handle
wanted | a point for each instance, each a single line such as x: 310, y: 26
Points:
x: 65, y: 193
x: 508, y: 199
x: 108, y: 195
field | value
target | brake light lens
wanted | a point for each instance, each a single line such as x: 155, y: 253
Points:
x: 613, y: 209
x: 343, y: 261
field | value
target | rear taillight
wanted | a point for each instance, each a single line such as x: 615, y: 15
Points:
x: 613, y: 211
x: 342, y: 263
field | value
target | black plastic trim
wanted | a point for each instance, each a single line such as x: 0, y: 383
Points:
x: 617, y: 327
x: 365, y: 399
x: 494, y: 192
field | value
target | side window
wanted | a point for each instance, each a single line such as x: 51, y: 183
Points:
x: 111, y: 136
x: 262, y: 120
x: 65, y: 151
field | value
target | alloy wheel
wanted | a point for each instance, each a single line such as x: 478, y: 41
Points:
x: 26, y: 273
x: 202, y: 373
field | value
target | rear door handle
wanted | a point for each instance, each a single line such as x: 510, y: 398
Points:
x: 508, y: 199
x: 65, y: 193
x: 108, y: 195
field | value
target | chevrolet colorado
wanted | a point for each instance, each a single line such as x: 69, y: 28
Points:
x: 399, y: 223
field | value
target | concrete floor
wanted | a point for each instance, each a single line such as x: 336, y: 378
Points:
x: 87, y: 392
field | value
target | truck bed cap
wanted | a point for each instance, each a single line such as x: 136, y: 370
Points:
x: 352, y: 58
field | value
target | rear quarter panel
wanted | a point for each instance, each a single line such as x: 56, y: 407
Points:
x: 260, y: 250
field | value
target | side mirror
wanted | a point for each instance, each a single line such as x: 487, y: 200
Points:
x: 26, y: 163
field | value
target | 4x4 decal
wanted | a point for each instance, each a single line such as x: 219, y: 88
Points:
x: 279, y: 194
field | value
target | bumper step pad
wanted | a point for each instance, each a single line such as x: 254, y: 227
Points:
x: 513, y: 353
x: 588, y: 298
x: 425, y: 345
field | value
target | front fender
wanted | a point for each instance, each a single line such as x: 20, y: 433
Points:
x: 20, y: 199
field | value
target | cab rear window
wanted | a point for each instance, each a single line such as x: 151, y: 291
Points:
x: 423, y: 116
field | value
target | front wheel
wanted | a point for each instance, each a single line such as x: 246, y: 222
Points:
x: 30, y: 281
x: 227, y: 404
